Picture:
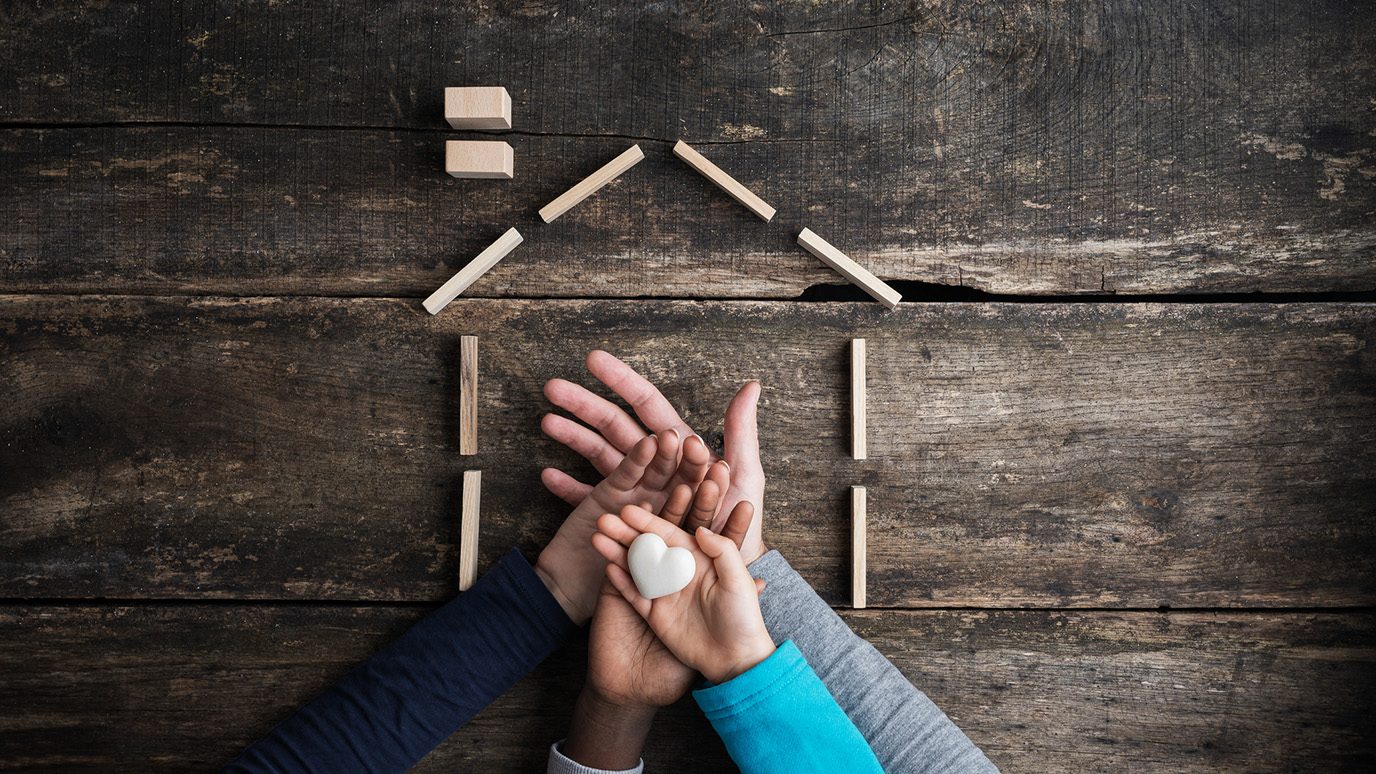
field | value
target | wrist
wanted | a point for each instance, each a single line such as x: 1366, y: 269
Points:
x: 606, y: 734
x: 741, y: 660
x: 550, y: 575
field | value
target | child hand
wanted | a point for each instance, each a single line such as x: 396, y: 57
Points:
x: 714, y: 623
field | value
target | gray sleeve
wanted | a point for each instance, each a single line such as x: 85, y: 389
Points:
x: 907, y: 732
x: 559, y: 763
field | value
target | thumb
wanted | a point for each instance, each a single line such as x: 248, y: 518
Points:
x: 726, y: 559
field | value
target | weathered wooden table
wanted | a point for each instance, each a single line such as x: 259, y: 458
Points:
x: 1108, y: 532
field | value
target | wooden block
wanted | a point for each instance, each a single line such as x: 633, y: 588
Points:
x: 482, y: 159
x: 477, y: 107
x: 724, y: 181
x: 590, y: 185
x: 468, y: 528
x: 859, y: 447
x: 857, y: 546
x: 849, y: 269
x: 475, y: 269
x: 468, y: 395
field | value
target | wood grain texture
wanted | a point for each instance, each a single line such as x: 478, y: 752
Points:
x: 468, y: 395
x: 470, y: 528
x: 1076, y: 147
x: 858, y: 549
x: 1045, y: 455
x: 186, y: 687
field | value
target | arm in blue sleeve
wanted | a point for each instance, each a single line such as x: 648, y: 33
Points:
x: 779, y: 717
x: 408, y: 697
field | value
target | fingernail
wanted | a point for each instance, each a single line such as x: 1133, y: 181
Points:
x: 727, y: 464
x: 677, y: 435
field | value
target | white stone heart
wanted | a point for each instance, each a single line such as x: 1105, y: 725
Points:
x: 657, y: 569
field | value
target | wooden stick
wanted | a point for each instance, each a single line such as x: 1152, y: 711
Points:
x: 468, y: 528
x: 849, y: 269
x: 857, y: 546
x: 724, y: 181
x: 477, y: 107
x: 482, y: 159
x: 468, y: 395
x: 475, y: 269
x: 859, y: 447
x: 592, y: 183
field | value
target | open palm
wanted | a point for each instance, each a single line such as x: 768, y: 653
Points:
x: 610, y: 434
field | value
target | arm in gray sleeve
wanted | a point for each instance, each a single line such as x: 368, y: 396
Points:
x: 907, y: 732
x: 559, y: 763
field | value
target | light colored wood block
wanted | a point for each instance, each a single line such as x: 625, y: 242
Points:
x: 590, y: 185
x: 468, y: 395
x: 724, y: 181
x: 477, y: 107
x: 475, y: 269
x: 859, y: 445
x: 468, y: 528
x: 849, y: 269
x: 481, y: 159
x: 857, y: 546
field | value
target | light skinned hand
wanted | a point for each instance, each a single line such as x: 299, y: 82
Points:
x: 713, y: 624
x: 610, y: 433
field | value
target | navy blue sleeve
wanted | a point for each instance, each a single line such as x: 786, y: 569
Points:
x: 408, y: 697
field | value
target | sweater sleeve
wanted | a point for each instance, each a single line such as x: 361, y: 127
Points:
x: 408, y: 697
x: 778, y: 717
x: 907, y: 732
x: 559, y: 763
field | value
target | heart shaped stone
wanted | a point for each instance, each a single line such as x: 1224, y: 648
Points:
x: 657, y: 569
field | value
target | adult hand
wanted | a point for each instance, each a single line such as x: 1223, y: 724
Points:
x: 611, y: 433
x: 714, y: 623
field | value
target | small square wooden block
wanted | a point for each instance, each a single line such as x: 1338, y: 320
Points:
x: 490, y: 159
x: 477, y: 107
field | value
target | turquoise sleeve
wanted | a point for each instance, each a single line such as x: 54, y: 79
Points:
x: 779, y: 717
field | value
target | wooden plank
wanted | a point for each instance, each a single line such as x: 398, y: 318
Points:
x: 592, y: 183
x: 725, y: 182
x: 477, y: 107
x: 479, y: 159
x: 1075, y: 147
x: 858, y: 549
x: 1115, y: 455
x: 469, y: 528
x: 309, y: 212
x: 848, y: 268
x: 476, y: 268
x: 186, y: 687
x: 468, y: 395
x: 859, y: 433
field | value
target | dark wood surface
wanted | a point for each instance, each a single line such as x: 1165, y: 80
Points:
x: 1103, y: 536
x: 1075, y: 147
x: 107, y: 687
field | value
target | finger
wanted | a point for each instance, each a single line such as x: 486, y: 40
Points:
x: 725, y: 558
x: 642, y: 520
x: 610, y: 550
x: 694, y: 462
x: 676, y: 507
x: 601, y: 414
x: 591, y: 446
x: 621, y: 580
x: 644, y: 398
x: 614, y: 527
x: 741, y: 436
x: 704, y: 506
x: 759, y: 586
x: 564, y: 486
x: 628, y: 473
x: 738, y: 523
x: 662, y: 469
